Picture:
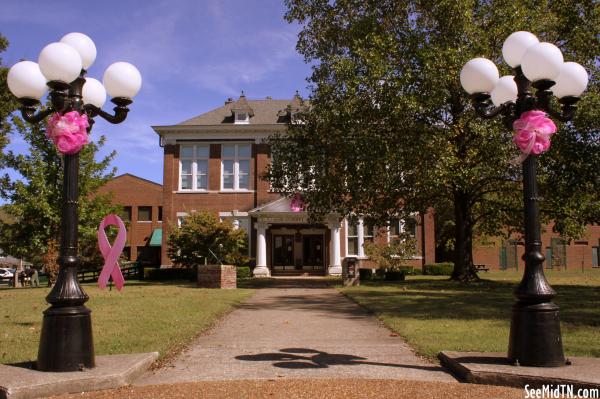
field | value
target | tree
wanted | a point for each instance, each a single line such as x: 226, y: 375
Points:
x: 203, y: 237
x: 34, y: 196
x: 390, y: 131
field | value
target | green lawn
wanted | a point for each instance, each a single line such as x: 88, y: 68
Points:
x: 434, y: 314
x: 144, y: 317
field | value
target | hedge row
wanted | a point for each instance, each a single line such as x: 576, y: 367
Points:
x: 156, y: 274
x: 438, y: 269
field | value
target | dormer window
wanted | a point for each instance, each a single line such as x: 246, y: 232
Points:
x: 242, y: 117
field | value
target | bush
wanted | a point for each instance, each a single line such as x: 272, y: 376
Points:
x: 156, y: 274
x: 438, y: 269
x: 243, y: 272
x: 394, y: 275
x: 365, y: 274
x: 408, y: 270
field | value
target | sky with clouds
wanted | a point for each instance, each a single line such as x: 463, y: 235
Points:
x: 192, y: 54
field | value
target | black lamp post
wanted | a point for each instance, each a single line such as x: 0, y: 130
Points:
x: 535, y: 338
x: 66, y: 342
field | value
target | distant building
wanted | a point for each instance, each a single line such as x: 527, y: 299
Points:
x: 502, y: 254
x: 214, y: 161
x: 141, y: 202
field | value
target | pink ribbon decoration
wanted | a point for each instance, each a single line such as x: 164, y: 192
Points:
x: 297, y: 203
x: 111, y: 254
x: 533, y: 130
x: 68, y: 132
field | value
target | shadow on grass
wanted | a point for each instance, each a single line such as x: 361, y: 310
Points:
x: 486, y: 299
x: 304, y: 358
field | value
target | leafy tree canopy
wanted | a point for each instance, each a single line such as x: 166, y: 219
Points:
x: 390, y: 130
x: 203, y: 237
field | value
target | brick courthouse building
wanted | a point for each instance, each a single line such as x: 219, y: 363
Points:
x: 214, y: 162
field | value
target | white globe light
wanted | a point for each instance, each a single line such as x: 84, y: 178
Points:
x: 59, y: 61
x: 542, y: 61
x: 505, y: 90
x: 479, y: 75
x: 122, y: 79
x: 84, y: 46
x: 93, y: 92
x: 571, y: 81
x: 25, y: 80
x: 516, y: 45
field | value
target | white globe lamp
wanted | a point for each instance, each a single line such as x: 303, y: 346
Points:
x: 84, y: 46
x: 505, y: 91
x: 479, y: 75
x: 571, y: 81
x: 93, y: 92
x: 60, y: 62
x: 542, y: 61
x: 516, y: 45
x: 25, y: 80
x: 122, y: 79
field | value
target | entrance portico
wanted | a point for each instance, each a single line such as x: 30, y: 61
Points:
x: 287, y: 244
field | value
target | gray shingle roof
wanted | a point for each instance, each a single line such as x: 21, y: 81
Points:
x: 266, y: 112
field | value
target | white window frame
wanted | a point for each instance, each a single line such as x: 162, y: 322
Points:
x: 194, y: 159
x: 238, y: 121
x: 236, y: 166
x: 360, y: 238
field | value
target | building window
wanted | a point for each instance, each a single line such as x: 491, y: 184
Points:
x: 368, y: 230
x: 181, y: 218
x: 193, y: 167
x: 160, y: 214
x: 235, y: 166
x: 242, y: 118
x: 595, y: 257
x: 144, y: 213
x: 352, y: 235
x: 126, y: 214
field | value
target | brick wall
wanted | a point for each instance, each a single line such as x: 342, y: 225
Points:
x: 216, y: 276
x: 132, y: 191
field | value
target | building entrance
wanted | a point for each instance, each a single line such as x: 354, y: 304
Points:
x: 313, y: 252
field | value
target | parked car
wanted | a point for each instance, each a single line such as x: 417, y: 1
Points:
x: 6, y: 272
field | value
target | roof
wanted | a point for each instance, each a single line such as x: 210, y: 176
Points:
x: 278, y: 206
x: 262, y: 112
x: 124, y: 175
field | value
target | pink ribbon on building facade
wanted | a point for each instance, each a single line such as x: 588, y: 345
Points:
x: 111, y: 253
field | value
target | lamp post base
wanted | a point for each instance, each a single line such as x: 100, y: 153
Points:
x: 66, y: 343
x: 535, y: 338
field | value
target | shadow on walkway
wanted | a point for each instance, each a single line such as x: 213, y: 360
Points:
x: 292, y: 358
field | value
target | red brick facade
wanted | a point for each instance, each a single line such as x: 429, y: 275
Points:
x: 254, y: 206
x: 497, y: 253
x: 138, y: 195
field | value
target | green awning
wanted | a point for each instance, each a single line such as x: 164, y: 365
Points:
x: 156, y: 239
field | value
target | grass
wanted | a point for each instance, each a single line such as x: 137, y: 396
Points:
x: 144, y: 317
x: 434, y: 314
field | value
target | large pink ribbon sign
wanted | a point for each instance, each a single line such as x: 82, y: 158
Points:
x: 111, y: 253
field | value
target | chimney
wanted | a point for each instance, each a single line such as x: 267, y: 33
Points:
x: 228, y: 101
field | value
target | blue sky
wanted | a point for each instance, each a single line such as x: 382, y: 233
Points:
x: 192, y: 55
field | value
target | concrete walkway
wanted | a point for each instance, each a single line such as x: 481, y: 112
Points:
x: 297, y: 328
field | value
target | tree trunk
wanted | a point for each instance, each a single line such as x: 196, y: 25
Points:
x: 464, y: 270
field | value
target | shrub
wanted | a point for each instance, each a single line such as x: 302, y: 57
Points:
x: 243, y: 272
x: 365, y: 274
x: 202, y: 237
x: 391, y: 255
x: 438, y: 269
x: 407, y: 270
x: 156, y: 274
x: 394, y: 275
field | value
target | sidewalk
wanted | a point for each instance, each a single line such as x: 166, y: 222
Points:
x: 299, y: 328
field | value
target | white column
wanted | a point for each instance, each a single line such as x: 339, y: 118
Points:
x: 361, y: 238
x: 261, y: 269
x: 335, y: 264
